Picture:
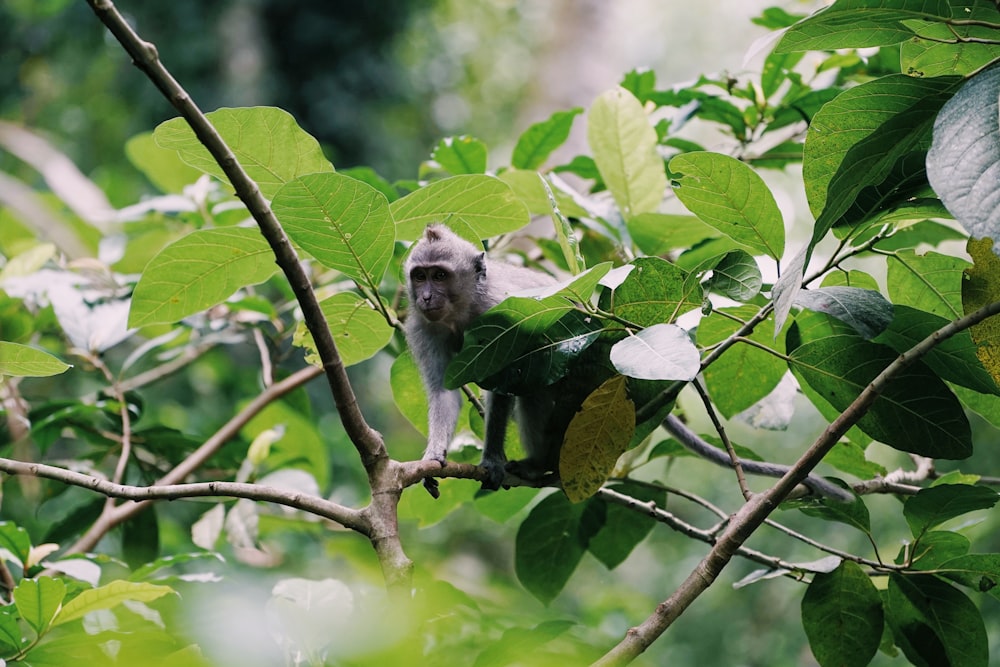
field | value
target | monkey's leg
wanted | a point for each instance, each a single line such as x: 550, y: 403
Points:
x: 442, y: 416
x: 498, y: 409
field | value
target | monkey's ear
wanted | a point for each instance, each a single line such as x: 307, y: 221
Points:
x: 433, y: 232
x: 479, y: 263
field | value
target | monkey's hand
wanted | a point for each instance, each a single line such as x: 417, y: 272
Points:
x: 430, y: 483
x: 495, y: 473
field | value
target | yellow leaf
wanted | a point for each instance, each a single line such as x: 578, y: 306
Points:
x: 598, y: 434
x: 980, y: 288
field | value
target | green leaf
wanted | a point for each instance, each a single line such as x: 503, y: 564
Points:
x: 867, y: 311
x: 461, y: 155
x: 520, y: 336
x: 162, y: 167
x: 15, y: 539
x: 339, y: 220
x: 659, y: 233
x: 744, y: 374
x: 854, y: 513
x: 501, y: 506
x: 953, y: 359
x: 550, y: 543
x: 842, y: 616
x: 933, y: 548
x: 981, y: 288
x: 266, y: 141
x: 10, y: 629
x: 108, y: 596
x: 849, y: 457
x: 855, y: 141
x: 934, y: 51
x: 930, y: 282
x: 408, y: 390
x: 38, y: 601
x: 515, y: 643
x: 654, y: 292
x: 474, y: 206
x: 934, y: 623
x: 624, y: 528
x: 981, y: 572
x: 598, y: 434
x: 659, y: 352
x: 359, y: 330
x: 965, y: 155
x: 859, y: 23
x: 933, y: 506
x: 915, y: 413
x: 529, y: 187
x: 736, y: 276
x: 730, y: 196
x: 537, y: 142
x: 199, y: 271
x: 18, y: 360
x: 624, y: 147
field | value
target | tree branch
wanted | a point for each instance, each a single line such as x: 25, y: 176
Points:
x: 345, y: 516
x: 752, y: 515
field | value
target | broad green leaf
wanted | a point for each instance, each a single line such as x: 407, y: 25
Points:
x: 915, y: 413
x: 842, y: 616
x: 730, y: 196
x: 408, y: 390
x: 509, y: 333
x: 155, y: 569
x: 953, y: 359
x: 744, y: 374
x: 925, y: 231
x: 10, y: 629
x: 854, y: 513
x: 598, y: 434
x: 199, y: 271
x: 624, y: 528
x: 164, y: 168
x: 934, y: 623
x: 38, y: 601
x: 18, y: 360
x: 659, y: 233
x: 964, y: 158
x: 933, y: 506
x: 850, y: 457
x: 501, y: 506
x: 659, y: 352
x: 15, y: 539
x: 515, y: 643
x: 859, y: 23
x: 529, y: 187
x: 930, y: 282
x: 418, y: 505
x: 850, y: 278
x: 537, y: 142
x: 654, y: 292
x: 266, y: 141
x: 867, y: 311
x: 934, y: 51
x: 550, y: 543
x: 981, y: 572
x: 933, y: 548
x: 736, y: 276
x: 980, y: 288
x: 855, y: 141
x: 339, y: 220
x: 474, y: 206
x: 359, y: 330
x: 108, y: 596
x: 302, y: 446
x: 461, y: 155
x: 624, y: 147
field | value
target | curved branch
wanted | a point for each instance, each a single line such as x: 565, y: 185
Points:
x: 345, y: 516
x: 752, y: 515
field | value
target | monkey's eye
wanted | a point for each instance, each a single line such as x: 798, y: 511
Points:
x: 440, y: 276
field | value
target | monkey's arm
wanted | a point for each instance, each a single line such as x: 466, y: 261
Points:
x: 691, y: 441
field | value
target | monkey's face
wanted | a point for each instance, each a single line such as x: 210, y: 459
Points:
x: 432, y: 293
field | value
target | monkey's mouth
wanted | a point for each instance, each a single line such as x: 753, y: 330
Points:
x: 433, y: 313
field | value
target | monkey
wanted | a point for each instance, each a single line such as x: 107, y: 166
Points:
x: 450, y: 283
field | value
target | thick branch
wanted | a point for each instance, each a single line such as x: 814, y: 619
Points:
x: 368, y: 441
x: 752, y: 515
x: 345, y: 516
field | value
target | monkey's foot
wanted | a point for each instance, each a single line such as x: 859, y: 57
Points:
x: 529, y: 470
x: 431, y: 484
x: 495, y: 474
